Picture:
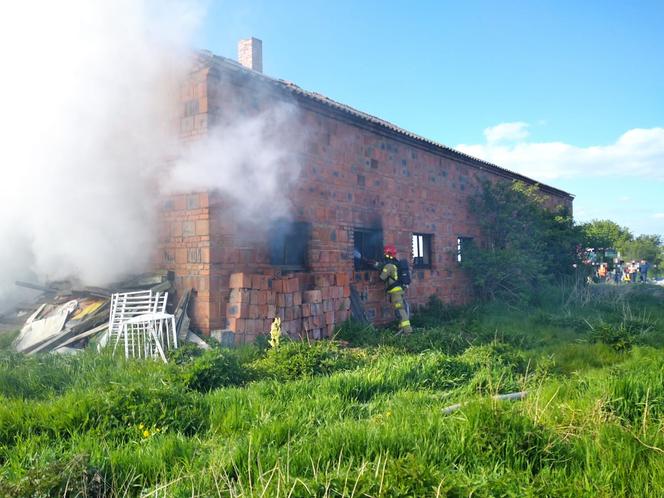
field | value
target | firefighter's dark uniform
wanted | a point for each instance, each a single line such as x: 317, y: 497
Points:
x: 389, y: 273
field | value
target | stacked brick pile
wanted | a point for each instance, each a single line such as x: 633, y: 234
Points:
x: 308, y: 305
x: 332, y: 305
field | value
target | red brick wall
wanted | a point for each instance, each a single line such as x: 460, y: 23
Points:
x: 351, y: 177
x: 193, y: 119
x: 354, y: 178
x: 185, y: 249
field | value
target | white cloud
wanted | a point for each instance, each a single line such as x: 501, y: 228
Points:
x: 506, y: 132
x: 624, y: 198
x: 638, y: 152
x: 658, y: 216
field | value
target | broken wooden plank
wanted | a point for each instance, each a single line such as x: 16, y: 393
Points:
x: 99, y: 318
x: 145, y: 280
x: 28, y: 285
x: 162, y: 286
x: 83, y: 335
x: 95, y: 291
x: 40, y: 329
x: 182, y: 319
x: 66, y: 350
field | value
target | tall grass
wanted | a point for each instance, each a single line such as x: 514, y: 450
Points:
x: 362, y: 419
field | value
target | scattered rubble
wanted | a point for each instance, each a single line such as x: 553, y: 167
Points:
x: 132, y: 315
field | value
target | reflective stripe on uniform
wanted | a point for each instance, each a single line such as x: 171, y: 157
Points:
x: 398, y: 305
x: 405, y: 323
x: 396, y: 289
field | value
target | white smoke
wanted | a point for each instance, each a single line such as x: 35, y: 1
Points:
x: 247, y: 161
x: 89, y: 98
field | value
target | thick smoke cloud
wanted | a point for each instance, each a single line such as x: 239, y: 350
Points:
x: 88, y: 98
x: 248, y: 161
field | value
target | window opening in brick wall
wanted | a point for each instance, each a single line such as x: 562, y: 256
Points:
x: 191, y: 107
x: 422, y: 250
x: 369, y: 244
x: 289, y: 241
x: 462, y: 246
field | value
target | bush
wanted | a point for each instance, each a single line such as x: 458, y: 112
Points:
x: 67, y: 477
x: 294, y: 360
x: 204, y: 371
x: 623, y: 332
x: 166, y: 407
x: 524, y: 242
x: 619, y: 337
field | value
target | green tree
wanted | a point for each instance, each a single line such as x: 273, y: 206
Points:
x: 523, y: 242
x: 647, y: 247
x: 605, y: 234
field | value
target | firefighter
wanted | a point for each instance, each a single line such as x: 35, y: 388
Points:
x: 395, y: 286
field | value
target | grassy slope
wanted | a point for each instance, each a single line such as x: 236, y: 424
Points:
x: 364, y: 420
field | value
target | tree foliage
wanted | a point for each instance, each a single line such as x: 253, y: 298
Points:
x: 608, y: 234
x: 523, y: 241
x: 605, y: 234
x: 648, y: 247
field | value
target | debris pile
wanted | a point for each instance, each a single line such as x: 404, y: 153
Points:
x: 133, y: 317
x: 56, y: 325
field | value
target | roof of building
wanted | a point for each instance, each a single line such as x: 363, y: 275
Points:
x: 374, y: 123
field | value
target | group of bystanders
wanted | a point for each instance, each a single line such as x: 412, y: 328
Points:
x: 627, y: 272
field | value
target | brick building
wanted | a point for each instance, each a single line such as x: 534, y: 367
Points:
x: 363, y: 182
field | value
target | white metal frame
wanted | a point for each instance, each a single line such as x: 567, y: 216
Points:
x: 127, y: 305
x: 148, y: 336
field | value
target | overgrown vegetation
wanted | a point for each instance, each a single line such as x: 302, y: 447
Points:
x: 524, y: 243
x: 361, y: 415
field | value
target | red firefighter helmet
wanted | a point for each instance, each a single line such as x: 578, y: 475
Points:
x: 390, y: 251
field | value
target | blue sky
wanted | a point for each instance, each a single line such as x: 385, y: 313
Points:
x: 569, y: 93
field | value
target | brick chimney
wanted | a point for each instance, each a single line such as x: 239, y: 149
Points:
x: 250, y: 53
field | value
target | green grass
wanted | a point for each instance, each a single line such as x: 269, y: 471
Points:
x: 362, y: 416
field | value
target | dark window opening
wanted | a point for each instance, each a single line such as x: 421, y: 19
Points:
x: 289, y: 242
x: 462, y: 245
x: 368, y: 246
x: 191, y: 107
x: 422, y: 250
